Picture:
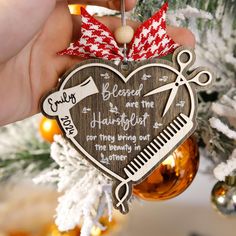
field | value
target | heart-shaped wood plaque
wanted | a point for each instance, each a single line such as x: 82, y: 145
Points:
x: 127, y: 119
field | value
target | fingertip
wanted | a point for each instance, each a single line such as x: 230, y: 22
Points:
x: 188, y: 38
x: 182, y: 36
x: 130, y: 4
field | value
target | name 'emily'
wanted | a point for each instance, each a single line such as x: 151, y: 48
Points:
x: 107, y: 93
x: 65, y: 98
x: 123, y: 120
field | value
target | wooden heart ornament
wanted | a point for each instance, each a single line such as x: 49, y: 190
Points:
x: 127, y: 119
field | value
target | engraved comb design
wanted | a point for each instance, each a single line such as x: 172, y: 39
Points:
x: 154, y: 154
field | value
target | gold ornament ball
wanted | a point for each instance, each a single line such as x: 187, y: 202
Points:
x: 18, y: 233
x: 124, y: 34
x: 52, y: 230
x: 48, y: 128
x: 96, y: 231
x: 75, y: 9
x: 172, y: 176
x: 223, y: 196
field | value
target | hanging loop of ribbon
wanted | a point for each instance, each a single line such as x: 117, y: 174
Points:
x: 97, y: 41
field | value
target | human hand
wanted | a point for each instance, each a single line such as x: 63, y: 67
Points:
x: 32, y: 32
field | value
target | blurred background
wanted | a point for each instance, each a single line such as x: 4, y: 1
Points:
x: 203, y: 208
x: 26, y: 209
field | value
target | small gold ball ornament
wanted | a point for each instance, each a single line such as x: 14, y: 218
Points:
x: 172, y: 176
x: 124, y: 34
x: 223, y: 196
x: 109, y: 226
x: 75, y: 9
x: 18, y: 233
x: 48, y: 128
x: 52, y: 230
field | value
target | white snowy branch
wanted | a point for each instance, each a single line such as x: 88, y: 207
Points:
x: 223, y: 128
x: 225, y: 169
x: 87, y: 192
x: 20, y: 136
x: 176, y: 17
x: 226, y: 108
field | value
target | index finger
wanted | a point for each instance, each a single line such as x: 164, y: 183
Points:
x: 112, y: 4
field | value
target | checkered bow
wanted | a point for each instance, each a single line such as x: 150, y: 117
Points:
x: 150, y: 40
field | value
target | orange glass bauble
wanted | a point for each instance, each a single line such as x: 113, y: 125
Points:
x: 75, y: 9
x: 48, y: 128
x: 52, y: 230
x: 173, y: 176
x: 96, y: 231
x: 18, y: 233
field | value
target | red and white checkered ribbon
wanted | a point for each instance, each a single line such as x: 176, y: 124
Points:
x: 149, y: 41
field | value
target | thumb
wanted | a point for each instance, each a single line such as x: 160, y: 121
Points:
x: 19, y: 22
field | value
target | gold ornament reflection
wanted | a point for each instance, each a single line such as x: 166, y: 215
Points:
x: 173, y: 176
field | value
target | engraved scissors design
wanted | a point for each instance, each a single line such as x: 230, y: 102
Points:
x: 181, y: 80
